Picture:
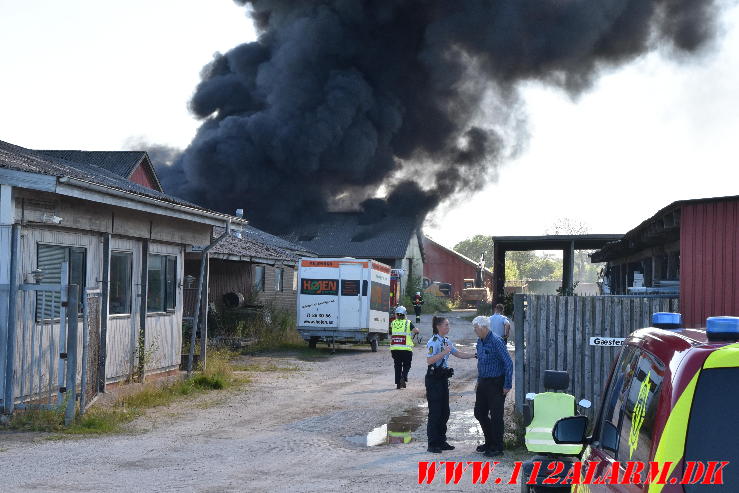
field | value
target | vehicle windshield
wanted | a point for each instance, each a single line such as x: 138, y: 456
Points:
x: 712, y: 429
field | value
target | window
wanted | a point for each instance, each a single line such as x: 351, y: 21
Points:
x: 259, y: 278
x: 162, y: 283
x: 713, y: 416
x: 640, y: 406
x: 614, y: 399
x: 171, y: 280
x: 630, y: 406
x: 121, y: 267
x: 49, y: 259
x: 279, y: 275
x: 379, y: 297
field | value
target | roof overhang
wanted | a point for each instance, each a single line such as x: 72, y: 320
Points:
x: 554, y: 242
x: 93, y: 192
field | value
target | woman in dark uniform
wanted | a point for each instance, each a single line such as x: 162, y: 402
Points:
x: 439, y: 348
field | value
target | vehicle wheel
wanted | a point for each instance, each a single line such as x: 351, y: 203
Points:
x: 524, y: 487
x: 373, y: 344
x: 312, y: 342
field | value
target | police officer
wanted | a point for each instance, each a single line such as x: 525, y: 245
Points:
x: 439, y: 348
x: 401, y: 346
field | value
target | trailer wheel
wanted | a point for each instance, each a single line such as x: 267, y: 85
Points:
x: 373, y: 344
x: 312, y: 342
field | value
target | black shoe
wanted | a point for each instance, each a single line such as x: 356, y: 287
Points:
x: 446, y: 446
x: 493, y: 453
x: 403, y: 383
x: 434, y: 450
x: 482, y: 448
x: 399, y: 386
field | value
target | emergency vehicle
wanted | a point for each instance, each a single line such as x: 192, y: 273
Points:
x: 343, y: 300
x: 672, y: 396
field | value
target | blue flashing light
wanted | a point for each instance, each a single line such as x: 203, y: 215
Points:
x: 722, y: 328
x: 667, y: 319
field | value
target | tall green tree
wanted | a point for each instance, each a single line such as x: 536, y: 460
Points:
x: 475, y: 247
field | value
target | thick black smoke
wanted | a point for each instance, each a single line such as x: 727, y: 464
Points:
x: 340, y: 97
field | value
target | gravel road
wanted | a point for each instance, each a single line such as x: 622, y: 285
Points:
x: 305, y: 430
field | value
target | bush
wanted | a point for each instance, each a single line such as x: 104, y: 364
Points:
x: 431, y: 304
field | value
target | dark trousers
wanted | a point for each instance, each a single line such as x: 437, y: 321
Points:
x: 489, y: 410
x: 437, y: 393
x: 402, y: 360
x: 417, y: 309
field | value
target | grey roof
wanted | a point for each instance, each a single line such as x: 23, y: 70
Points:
x: 22, y: 159
x: 255, y: 245
x: 340, y: 234
x: 122, y: 163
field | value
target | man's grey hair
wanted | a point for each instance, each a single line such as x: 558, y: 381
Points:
x: 481, y: 322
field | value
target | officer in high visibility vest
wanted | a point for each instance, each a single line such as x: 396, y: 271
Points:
x: 401, y: 346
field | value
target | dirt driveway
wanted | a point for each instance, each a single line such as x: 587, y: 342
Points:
x: 305, y: 430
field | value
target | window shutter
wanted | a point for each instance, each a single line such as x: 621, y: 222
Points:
x: 50, y: 259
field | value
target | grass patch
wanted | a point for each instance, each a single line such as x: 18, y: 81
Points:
x: 265, y: 368
x: 298, y: 350
x: 218, y: 375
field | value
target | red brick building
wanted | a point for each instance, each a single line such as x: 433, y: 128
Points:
x: 690, y: 247
x: 445, y: 265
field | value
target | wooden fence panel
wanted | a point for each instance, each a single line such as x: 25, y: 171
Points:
x: 561, y: 333
x: 557, y: 332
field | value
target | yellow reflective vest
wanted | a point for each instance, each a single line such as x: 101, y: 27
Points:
x: 401, y: 337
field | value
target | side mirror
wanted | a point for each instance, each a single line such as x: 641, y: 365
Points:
x: 570, y: 430
x: 609, y: 437
x: 585, y: 404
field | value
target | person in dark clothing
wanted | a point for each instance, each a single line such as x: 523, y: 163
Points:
x: 439, y: 348
x: 417, y: 305
x: 495, y: 374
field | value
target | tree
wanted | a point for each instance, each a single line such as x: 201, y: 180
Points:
x: 585, y: 271
x: 473, y: 248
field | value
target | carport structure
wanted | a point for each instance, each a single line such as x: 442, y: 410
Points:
x: 567, y: 243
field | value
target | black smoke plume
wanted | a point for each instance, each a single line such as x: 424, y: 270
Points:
x: 337, y: 98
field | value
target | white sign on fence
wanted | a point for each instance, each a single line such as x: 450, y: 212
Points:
x: 607, y: 341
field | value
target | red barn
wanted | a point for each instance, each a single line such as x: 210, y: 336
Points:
x: 690, y: 246
x: 445, y: 265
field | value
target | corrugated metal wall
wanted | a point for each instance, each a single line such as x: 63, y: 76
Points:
x: 443, y: 266
x: 709, y: 260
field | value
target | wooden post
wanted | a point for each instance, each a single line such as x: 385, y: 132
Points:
x: 204, y: 311
x: 143, y: 308
x: 568, y: 268
x: 518, y: 362
x: 104, y: 309
x: 12, y: 330
x: 498, y: 274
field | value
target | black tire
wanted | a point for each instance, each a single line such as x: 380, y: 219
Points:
x: 373, y: 344
x: 312, y: 342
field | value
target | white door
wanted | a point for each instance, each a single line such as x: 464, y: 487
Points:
x: 350, y: 296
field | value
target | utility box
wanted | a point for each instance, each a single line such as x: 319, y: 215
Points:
x: 343, y: 300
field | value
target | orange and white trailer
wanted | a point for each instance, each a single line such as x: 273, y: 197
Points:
x: 343, y: 300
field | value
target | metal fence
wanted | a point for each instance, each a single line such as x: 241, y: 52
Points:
x: 46, y: 357
x: 557, y: 332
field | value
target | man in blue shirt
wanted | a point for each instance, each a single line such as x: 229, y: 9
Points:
x: 494, y: 379
x: 499, y: 323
